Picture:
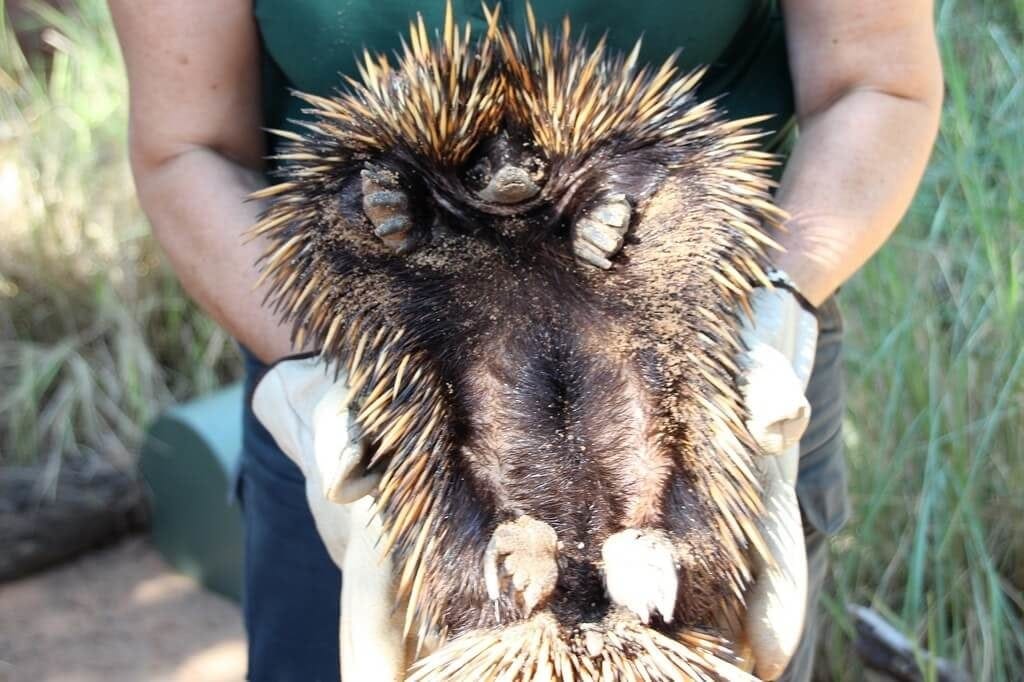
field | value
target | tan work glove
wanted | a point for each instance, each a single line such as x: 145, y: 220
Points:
x: 301, y: 405
x: 781, y: 337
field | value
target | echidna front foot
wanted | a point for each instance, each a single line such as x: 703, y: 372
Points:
x: 599, y: 231
x: 387, y: 206
x: 640, y: 572
x: 521, y: 557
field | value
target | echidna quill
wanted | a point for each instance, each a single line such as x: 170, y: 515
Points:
x: 526, y: 254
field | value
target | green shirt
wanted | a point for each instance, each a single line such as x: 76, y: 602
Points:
x: 308, y: 43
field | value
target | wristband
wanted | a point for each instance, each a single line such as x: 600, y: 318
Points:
x: 780, y: 280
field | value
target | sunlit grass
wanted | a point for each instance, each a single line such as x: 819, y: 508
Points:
x: 95, y: 334
x: 935, y: 373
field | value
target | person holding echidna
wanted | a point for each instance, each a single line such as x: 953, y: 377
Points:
x: 862, y: 84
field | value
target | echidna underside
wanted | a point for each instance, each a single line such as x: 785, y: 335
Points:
x: 526, y: 255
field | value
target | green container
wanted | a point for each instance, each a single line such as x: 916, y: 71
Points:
x: 188, y: 461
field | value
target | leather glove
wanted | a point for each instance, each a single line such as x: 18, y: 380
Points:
x: 781, y: 338
x: 303, y: 407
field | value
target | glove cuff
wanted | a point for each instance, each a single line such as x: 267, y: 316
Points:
x: 781, y: 280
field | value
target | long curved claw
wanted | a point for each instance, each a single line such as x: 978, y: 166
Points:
x: 386, y: 205
x: 599, y: 233
x: 521, y: 557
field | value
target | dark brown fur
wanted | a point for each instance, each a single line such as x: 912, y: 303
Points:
x: 494, y: 376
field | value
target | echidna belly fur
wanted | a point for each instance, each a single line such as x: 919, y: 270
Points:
x: 496, y: 377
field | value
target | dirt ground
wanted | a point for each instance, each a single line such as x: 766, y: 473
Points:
x: 118, y: 614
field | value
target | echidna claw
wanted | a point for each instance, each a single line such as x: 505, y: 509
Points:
x: 386, y: 206
x: 391, y: 226
x: 599, y: 233
x: 589, y: 254
x: 392, y: 199
x: 522, y: 556
x: 640, y: 572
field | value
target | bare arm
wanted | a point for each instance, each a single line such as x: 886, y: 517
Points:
x: 868, y: 87
x: 197, y: 149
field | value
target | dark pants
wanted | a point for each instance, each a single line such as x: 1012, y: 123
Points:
x: 292, y: 586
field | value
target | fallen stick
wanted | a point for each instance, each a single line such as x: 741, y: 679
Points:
x: 885, y: 649
x: 90, y: 509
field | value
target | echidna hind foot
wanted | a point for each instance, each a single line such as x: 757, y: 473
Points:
x: 521, y: 558
x: 640, y: 572
x: 387, y: 206
x: 599, y: 233
x: 617, y: 649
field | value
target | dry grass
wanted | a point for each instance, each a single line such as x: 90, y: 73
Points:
x: 95, y: 334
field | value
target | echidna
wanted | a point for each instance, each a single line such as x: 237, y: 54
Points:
x: 525, y: 254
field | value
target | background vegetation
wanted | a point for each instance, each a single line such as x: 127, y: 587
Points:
x: 95, y: 335
x: 935, y: 356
